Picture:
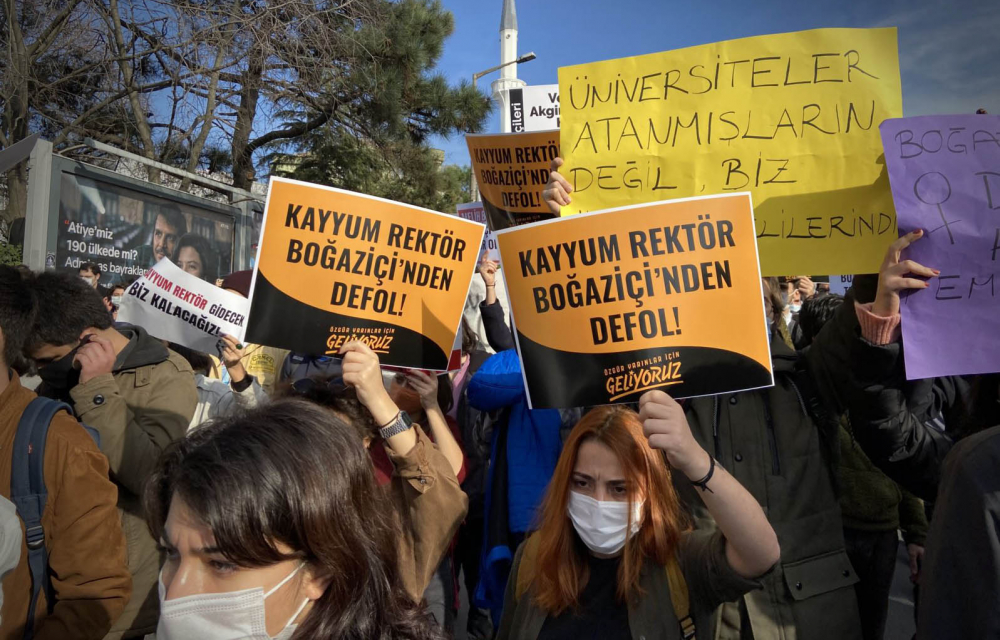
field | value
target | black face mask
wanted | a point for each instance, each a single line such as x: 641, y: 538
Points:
x: 61, y: 374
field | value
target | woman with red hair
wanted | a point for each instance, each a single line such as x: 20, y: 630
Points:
x: 612, y: 557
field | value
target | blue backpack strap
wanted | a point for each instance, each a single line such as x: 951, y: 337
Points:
x: 28, y: 493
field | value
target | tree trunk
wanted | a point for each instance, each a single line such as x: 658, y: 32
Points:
x: 138, y: 111
x: 15, y: 111
x: 17, y: 192
x: 243, y: 170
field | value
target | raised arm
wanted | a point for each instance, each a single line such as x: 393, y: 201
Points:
x: 896, y: 439
x: 362, y: 371
x: 427, y: 387
x: 132, y: 441
x: 498, y: 334
x: 751, y: 544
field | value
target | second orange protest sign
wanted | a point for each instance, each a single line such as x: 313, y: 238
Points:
x: 613, y: 304
x: 511, y: 170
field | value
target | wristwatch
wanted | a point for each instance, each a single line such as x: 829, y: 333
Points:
x: 398, y: 425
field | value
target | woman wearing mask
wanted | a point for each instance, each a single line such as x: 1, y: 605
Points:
x: 273, y: 527
x: 422, y: 488
x: 781, y: 443
x: 612, y: 558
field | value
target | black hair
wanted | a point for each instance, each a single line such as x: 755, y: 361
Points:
x: 981, y: 408
x: 200, y: 362
x: 446, y: 395
x: 331, y: 393
x: 864, y: 286
x: 92, y: 267
x: 290, y: 473
x: 209, y: 261
x: 774, y: 297
x: 172, y: 214
x: 815, y: 313
x: 66, y: 306
x: 469, y: 338
x: 17, y: 314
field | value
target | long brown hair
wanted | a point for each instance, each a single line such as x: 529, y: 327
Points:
x: 561, y: 571
x: 293, y: 473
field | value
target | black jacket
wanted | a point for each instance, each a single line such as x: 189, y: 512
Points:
x: 498, y: 334
x: 782, y: 444
x: 903, y: 426
x: 961, y: 581
x: 477, y: 435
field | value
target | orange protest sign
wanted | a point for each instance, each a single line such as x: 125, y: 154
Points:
x: 511, y: 170
x: 612, y: 304
x: 335, y: 266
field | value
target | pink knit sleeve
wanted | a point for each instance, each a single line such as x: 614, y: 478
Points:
x: 875, y: 329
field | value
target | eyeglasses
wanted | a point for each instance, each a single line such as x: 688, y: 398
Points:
x: 299, y: 359
x: 304, y: 385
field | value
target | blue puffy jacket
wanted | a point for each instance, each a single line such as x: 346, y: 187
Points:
x: 533, y: 440
x: 531, y: 443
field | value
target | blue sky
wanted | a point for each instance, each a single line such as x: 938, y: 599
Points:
x: 949, y: 50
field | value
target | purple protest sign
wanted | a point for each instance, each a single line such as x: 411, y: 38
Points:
x: 945, y: 177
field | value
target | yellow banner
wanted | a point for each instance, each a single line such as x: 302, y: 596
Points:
x: 610, y: 305
x: 335, y: 266
x: 792, y: 118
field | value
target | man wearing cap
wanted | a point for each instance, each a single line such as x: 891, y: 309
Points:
x: 261, y: 362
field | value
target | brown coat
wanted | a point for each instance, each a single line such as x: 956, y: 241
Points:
x: 83, y: 534
x: 430, y: 505
x: 139, y: 409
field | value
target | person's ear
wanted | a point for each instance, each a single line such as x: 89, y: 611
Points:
x: 314, y: 587
x: 89, y: 331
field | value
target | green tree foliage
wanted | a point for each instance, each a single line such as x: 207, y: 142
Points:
x: 10, y: 254
x: 401, y: 170
x: 225, y: 84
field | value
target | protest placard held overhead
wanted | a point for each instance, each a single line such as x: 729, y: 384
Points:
x: 793, y: 118
x: 945, y: 174
x: 660, y: 296
x: 335, y: 266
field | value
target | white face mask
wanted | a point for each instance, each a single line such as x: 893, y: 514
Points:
x: 603, y: 526
x: 234, y: 615
x: 89, y: 280
x: 116, y: 301
x: 795, y: 308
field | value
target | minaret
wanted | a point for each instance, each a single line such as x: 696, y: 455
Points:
x: 508, y: 53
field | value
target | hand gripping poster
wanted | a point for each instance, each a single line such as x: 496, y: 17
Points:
x: 610, y: 305
x: 335, y: 266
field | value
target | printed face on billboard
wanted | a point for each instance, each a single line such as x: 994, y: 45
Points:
x: 125, y: 231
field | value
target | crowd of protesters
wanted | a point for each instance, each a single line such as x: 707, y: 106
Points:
x: 257, y: 493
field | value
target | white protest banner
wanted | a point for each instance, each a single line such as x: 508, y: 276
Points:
x: 474, y: 211
x: 176, y: 306
x: 534, y: 108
